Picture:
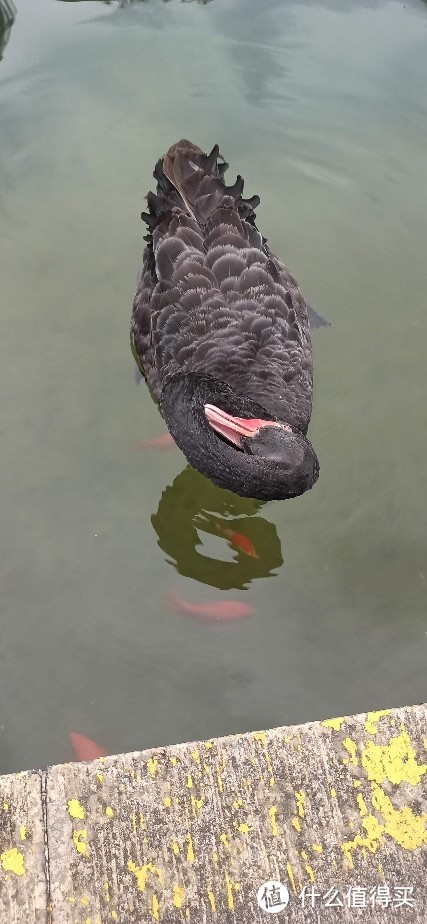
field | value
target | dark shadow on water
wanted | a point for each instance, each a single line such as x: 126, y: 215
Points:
x: 7, y: 18
x: 192, y: 505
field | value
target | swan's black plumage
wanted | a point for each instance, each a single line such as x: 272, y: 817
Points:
x: 217, y: 318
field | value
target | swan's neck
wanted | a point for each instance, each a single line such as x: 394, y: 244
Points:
x: 187, y: 401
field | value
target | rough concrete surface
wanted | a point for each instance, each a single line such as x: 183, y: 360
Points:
x: 23, y: 892
x: 334, y: 811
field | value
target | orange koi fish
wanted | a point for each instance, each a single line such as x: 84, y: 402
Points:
x: 164, y: 441
x: 84, y: 748
x: 220, y: 610
x: 238, y: 541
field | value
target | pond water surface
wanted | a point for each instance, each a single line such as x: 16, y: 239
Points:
x: 323, y: 109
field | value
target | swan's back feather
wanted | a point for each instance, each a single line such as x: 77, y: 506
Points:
x: 212, y: 298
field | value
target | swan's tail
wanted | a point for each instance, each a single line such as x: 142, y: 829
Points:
x: 193, y: 182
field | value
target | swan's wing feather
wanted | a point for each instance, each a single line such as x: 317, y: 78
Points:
x: 213, y: 298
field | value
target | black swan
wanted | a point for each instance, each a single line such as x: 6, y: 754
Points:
x: 220, y: 331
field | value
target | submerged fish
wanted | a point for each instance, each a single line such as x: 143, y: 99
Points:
x: 84, y: 748
x: 238, y: 541
x: 221, y: 610
x: 164, y: 441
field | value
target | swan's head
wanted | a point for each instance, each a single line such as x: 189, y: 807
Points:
x: 235, y: 442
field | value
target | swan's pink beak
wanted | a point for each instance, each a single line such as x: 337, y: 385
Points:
x: 234, y: 429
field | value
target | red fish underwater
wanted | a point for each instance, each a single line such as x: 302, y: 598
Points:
x: 220, y: 610
x: 238, y: 541
x: 84, y: 748
x: 164, y: 441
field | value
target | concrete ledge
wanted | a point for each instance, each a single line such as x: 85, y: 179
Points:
x: 334, y: 811
x: 23, y: 890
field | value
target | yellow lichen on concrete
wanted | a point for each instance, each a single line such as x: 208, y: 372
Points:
x: 75, y: 810
x: 309, y: 872
x: 334, y: 723
x: 351, y: 747
x: 152, y: 765
x: 262, y: 738
x: 12, y: 861
x: 229, y: 891
x: 291, y: 877
x: 406, y: 828
x: 155, y: 907
x: 300, y: 799
x: 369, y: 841
x: 178, y: 896
x: 196, y: 804
x: 190, y: 850
x: 395, y: 761
x: 79, y: 840
x: 211, y: 898
x: 372, y: 719
x: 141, y: 873
x: 361, y: 804
x: 272, y: 812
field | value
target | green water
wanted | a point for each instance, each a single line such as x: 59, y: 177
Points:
x: 322, y: 107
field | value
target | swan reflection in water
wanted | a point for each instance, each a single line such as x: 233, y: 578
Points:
x: 192, y: 513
